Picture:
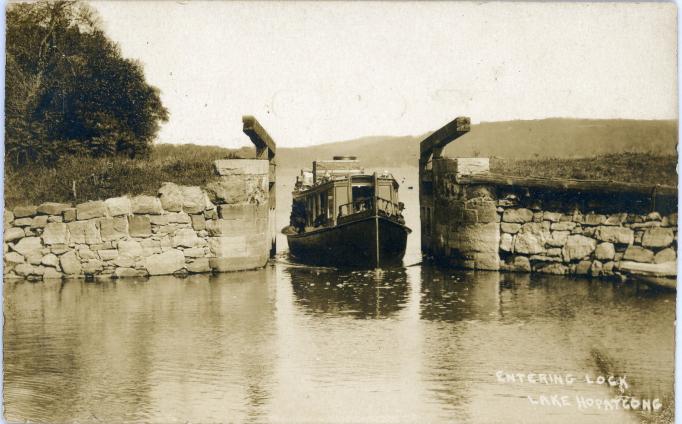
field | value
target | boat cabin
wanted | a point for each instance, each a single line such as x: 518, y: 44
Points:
x: 339, y: 191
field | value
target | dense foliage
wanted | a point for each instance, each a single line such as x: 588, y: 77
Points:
x: 68, y: 89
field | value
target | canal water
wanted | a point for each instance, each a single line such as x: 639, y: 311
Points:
x: 302, y: 344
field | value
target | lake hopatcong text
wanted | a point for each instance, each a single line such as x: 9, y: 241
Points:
x: 620, y: 401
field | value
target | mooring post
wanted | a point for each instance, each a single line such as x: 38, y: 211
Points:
x: 265, y: 149
x: 431, y: 148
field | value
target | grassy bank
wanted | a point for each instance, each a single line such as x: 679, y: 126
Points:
x: 192, y: 165
x: 76, y: 179
x: 642, y: 168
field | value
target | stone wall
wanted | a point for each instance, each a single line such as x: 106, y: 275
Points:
x: 544, y: 229
x: 184, y: 229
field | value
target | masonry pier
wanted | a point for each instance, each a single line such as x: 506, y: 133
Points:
x: 475, y: 219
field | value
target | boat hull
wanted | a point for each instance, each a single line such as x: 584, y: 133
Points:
x: 352, y: 244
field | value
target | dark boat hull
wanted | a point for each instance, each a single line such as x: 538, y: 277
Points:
x: 352, y: 244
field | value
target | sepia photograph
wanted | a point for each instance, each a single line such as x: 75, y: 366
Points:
x: 339, y: 212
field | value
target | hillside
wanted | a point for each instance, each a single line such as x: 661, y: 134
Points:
x: 556, y: 137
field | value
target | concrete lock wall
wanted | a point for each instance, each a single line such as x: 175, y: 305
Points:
x: 184, y: 229
x: 501, y: 227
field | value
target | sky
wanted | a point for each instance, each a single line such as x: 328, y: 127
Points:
x: 320, y: 72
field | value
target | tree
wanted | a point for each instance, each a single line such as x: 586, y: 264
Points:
x: 70, y: 91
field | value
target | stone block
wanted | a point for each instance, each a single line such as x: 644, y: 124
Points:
x: 665, y: 255
x: 165, y: 263
x: 126, y: 272
x: 51, y: 208
x: 616, y: 219
x: 583, y: 267
x: 605, y: 251
x: 199, y: 265
x: 14, y: 258
x: 553, y: 268
x: 528, y: 243
x: 149, y: 205
x: 39, y: 221
x: 521, y: 264
x: 238, y: 263
x: 657, y: 237
x: 107, y: 254
x: 8, y: 217
x: 228, y: 190
x: 224, y: 227
x: 194, y: 199
x: 638, y: 254
x: 486, y: 261
x: 198, y: 222
x: 13, y: 233
x: 118, y: 206
x: 139, y: 226
x: 185, y: 237
x: 653, y: 216
x: 551, y: 216
x: 506, y: 242
x: 59, y: 249
x: 592, y: 219
x: 84, y: 232
x: 50, y: 260
x: 617, y: 235
x: 86, y: 253
x: 510, y: 228
x: 25, y: 269
x: 55, y: 218
x: 563, y: 226
x: 113, y: 228
x: 578, y: 247
x: 476, y: 238
x: 517, y: 215
x: 34, y: 259
x: 55, y: 233
x: 25, y: 211
x: 150, y: 247
x: 178, y: 218
x: 170, y: 196
x: 158, y: 219
x: 92, y: 209
x: 243, y: 211
x: 28, y: 246
x: 194, y: 252
x: 92, y: 266
x: 557, y: 238
x: 69, y: 215
x: 52, y: 274
x: 228, y: 246
x: 70, y: 263
x: 231, y: 167
x: 129, y: 248
x: 23, y: 222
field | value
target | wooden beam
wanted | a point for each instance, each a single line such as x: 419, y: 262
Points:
x: 436, y: 142
x: 265, y: 145
x: 570, y: 185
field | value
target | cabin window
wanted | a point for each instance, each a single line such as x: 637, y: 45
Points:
x: 330, y: 204
x: 362, y: 198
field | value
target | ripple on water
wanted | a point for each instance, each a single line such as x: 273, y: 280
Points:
x: 292, y: 343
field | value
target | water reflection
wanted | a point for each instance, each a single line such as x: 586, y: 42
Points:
x: 290, y: 344
x: 360, y: 294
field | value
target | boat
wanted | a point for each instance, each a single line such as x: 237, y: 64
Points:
x: 343, y: 216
